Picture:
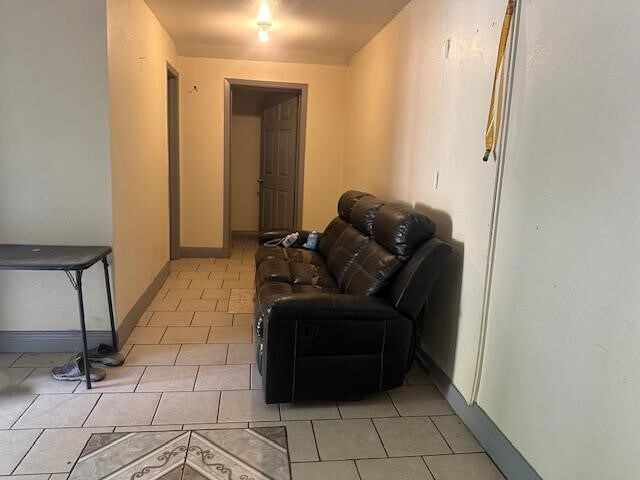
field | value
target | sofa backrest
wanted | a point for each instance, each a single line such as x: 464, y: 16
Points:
x: 345, y: 206
x: 371, y: 241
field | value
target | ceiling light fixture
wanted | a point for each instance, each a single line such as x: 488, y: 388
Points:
x: 263, y: 31
x: 264, y: 21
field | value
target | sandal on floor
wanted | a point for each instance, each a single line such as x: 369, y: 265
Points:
x: 106, y: 355
x: 74, y: 370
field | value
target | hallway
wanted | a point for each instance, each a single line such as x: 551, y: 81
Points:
x: 189, y: 366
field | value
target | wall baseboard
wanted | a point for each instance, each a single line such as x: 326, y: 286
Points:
x: 203, y: 252
x: 131, y: 318
x: 508, y: 459
x: 70, y: 340
x: 50, y: 340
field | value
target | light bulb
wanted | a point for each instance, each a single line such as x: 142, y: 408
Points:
x: 263, y: 35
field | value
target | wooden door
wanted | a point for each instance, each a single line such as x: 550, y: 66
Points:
x: 278, y: 163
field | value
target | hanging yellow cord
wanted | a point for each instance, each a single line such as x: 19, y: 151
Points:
x: 495, y: 111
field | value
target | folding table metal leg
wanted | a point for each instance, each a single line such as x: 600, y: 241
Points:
x: 114, y: 338
x: 85, y: 350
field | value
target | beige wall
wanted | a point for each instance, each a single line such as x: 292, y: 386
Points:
x: 245, y: 169
x: 55, y: 175
x: 414, y: 114
x: 202, y: 145
x: 139, y: 50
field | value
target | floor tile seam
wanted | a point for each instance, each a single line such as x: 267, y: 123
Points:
x: 357, y: 469
x: 392, y: 403
x: 441, y: 435
x: 21, y: 354
x: 84, y: 422
x: 157, y: 407
x: 78, y: 457
x: 457, y: 454
x: 195, y: 379
x: 23, y: 412
x: 27, y: 452
x: 175, y: 360
x: 315, y: 439
x: 424, y: 460
x: 384, y: 447
x: 144, y: 370
x: 70, y: 428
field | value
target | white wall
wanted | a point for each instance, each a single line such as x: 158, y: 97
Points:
x: 202, y: 145
x: 562, y: 369
x: 412, y: 113
x: 244, y: 157
x: 138, y: 52
x: 55, y: 175
x: 561, y: 374
x: 244, y: 153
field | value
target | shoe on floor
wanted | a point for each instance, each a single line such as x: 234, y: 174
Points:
x: 106, y: 355
x: 74, y: 370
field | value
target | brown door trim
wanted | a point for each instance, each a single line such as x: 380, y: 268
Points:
x: 173, y: 139
x: 303, y: 89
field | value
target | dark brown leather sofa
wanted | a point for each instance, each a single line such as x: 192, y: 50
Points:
x: 340, y: 321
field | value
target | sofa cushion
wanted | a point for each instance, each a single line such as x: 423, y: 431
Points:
x: 294, y: 273
x: 314, y: 289
x: 310, y: 274
x: 373, y: 269
x: 347, y: 202
x: 273, y: 270
x: 364, y: 213
x: 300, y: 255
x: 344, y: 251
x: 401, y: 229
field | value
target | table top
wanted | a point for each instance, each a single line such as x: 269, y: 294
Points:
x: 50, y: 257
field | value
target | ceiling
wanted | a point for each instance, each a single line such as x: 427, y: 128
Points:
x: 306, y: 31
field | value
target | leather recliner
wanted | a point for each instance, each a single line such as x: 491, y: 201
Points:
x: 340, y: 321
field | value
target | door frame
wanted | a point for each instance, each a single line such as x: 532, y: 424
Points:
x: 302, y: 89
x: 173, y: 148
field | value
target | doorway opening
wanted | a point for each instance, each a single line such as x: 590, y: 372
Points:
x: 173, y: 135
x: 264, y: 157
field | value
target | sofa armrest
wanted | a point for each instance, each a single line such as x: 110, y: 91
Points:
x: 275, y: 234
x: 313, y: 344
x: 328, y: 306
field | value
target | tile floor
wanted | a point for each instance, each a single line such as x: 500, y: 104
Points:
x: 190, y: 365
x: 236, y: 453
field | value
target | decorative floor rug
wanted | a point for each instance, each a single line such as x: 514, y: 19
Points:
x: 224, y: 454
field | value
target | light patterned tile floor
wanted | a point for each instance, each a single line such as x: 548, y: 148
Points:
x: 190, y: 364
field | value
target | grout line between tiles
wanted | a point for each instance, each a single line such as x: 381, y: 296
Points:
x: 91, y: 411
x: 175, y: 360
x: 155, y: 411
x: 195, y: 379
x: 379, y: 437
x: 357, y: 469
x: 16, y: 359
x: 441, y: 434
x: 392, y: 403
x: 424, y: 460
x: 144, y: 370
x: 315, y: 439
x: 23, y: 412
x: 27, y: 452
